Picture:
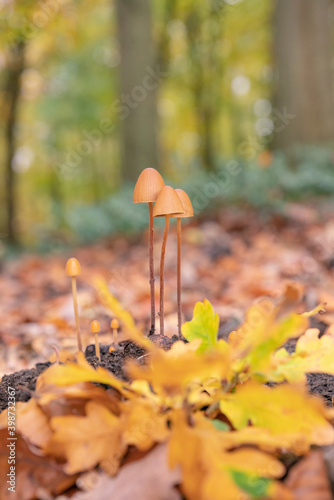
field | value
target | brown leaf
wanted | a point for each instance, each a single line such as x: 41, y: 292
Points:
x: 308, y: 480
x: 147, y: 479
x: 35, y: 476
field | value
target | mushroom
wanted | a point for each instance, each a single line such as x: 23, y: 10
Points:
x: 96, y: 328
x: 188, y: 212
x: 167, y: 205
x: 147, y: 188
x: 73, y: 269
x: 115, y: 326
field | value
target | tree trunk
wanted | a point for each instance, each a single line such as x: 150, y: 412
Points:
x: 139, y: 79
x: 303, y: 74
x: 12, y: 94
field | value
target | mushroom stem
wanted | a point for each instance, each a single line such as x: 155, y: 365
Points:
x: 97, y: 347
x: 162, y: 270
x: 76, y: 313
x: 152, y: 280
x: 179, y: 303
x: 115, y: 335
x: 57, y: 353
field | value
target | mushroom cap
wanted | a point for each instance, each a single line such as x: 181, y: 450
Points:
x: 114, y: 324
x: 148, y: 186
x: 187, y: 205
x: 73, y: 267
x: 95, y: 326
x: 168, y: 203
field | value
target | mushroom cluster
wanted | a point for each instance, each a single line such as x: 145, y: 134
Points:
x: 150, y: 188
x: 163, y: 201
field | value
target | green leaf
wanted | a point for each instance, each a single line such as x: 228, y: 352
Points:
x: 204, y: 326
x: 255, y: 487
x: 220, y: 426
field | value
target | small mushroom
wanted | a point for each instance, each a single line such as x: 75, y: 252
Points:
x: 115, y: 326
x: 148, y: 186
x: 96, y: 328
x: 167, y: 205
x: 73, y: 269
x: 188, y: 212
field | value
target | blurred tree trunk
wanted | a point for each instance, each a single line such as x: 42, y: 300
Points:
x: 12, y: 94
x: 303, y: 73
x: 206, y: 74
x: 139, y: 79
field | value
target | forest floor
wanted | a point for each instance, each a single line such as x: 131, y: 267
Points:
x: 231, y: 258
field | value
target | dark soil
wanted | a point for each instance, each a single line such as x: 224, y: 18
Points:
x: 24, y: 381
x: 321, y: 384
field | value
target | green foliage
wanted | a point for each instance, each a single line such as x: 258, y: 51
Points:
x: 255, y: 487
x: 220, y: 426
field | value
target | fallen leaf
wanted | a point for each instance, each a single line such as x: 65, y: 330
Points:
x: 147, y: 479
x: 312, y: 355
x: 308, y: 479
x: 86, y: 441
x: 207, y: 467
x: 35, y: 476
x: 278, y: 410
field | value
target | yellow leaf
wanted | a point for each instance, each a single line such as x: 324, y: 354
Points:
x: 170, y: 372
x: 279, y: 410
x: 124, y: 317
x: 312, y: 355
x: 265, y: 330
x: 199, y: 449
x: 82, y: 371
x: 267, y: 326
x: 87, y: 441
x: 144, y: 424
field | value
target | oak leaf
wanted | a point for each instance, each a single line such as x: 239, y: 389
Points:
x: 143, y: 424
x: 207, y: 468
x: 204, y: 326
x: 265, y: 329
x: 82, y: 371
x: 86, y: 441
x: 171, y: 372
x: 312, y: 355
x: 279, y: 410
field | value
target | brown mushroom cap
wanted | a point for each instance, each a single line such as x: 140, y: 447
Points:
x: 73, y: 267
x: 95, y: 326
x: 114, y: 324
x: 187, y: 205
x: 148, y: 186
x: 168, y: 203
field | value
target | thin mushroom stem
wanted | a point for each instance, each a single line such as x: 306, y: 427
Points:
x: 179, y: 303
x: 162, y: 270
x: 97, y: 347
x: 152, y: 280
x: 115, y: 335
x: 76, y: 313
x: 57, y: 353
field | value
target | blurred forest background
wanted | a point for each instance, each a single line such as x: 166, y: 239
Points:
x: 229, y: 99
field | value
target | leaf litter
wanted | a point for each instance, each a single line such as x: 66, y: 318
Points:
x: 80, y: 418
